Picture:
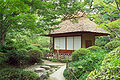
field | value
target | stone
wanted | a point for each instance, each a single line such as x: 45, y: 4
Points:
x: 39, y: 70
x: 46, y: 67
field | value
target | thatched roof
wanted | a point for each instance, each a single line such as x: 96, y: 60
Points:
x: 83, y: 24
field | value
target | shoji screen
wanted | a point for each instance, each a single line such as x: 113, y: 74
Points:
x: 77, y: 42
x: 56, y: 43
x: 69, y: 43
x: 59, y: 43
x: 62, y: 43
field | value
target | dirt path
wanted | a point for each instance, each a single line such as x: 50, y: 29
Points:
x: 57, y: 75
x: 53, y: 63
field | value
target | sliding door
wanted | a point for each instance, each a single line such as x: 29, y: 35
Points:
x: 73, y: 43
x: 70, y: 43
x: 59, y: 43
x: 77, y: 42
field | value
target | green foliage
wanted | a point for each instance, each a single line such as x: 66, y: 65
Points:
x: 108, y: 1
x: 86, y: 64
x: 3, y: 58
x: 112, y: 45
x: 18, y: 58
x: 29, y: 47
x: 54, y: 60
x: 35, y: 56
x: 65, y: 60
x: 25, y: 40
x: 35, y: 16
x: 101, y: 41
x: 78, y: 53
x: 23, y: 57
x: 116, y: 39
x: 110, y: 67
x: 107, y: 15
x: 44, y: 41
x: 17, y: 74
x: 45, y: 51
x: 94, y: 48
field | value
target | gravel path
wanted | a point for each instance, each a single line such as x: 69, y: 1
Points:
x: 58, y: 75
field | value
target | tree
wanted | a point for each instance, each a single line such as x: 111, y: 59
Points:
x: 14, y: 15
x: 106, y: 13
x: 37, y: 15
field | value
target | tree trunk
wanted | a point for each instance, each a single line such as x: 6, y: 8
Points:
x: 2, y: 36
x: 2, y: 39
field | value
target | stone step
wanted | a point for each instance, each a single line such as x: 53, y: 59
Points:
x: 39, y: 70
x: 46, y: 67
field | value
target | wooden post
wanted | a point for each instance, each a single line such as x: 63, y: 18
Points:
x: 57, y: 48
x: 66, y: 64
x: 58, y: 54
x: 48, y: 55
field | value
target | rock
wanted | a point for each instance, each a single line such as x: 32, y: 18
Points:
x: 39, y: 70
x: 46, y: 67
x: 40, y: 74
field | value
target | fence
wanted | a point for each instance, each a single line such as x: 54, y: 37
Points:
x: 59, y: 56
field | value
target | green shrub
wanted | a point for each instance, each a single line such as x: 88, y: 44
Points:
x: 32, y: 47
x: 54, y: 60
x: 110, y: 68
x: 101, y: 41
x: 85, y: 65
x: 12, y: 44
x: 64, y: 60
x: 35, y: 56
x: 45, y: 51
x: 80, y: 52
x: 3, y: 58
x: 94, y: 48
x: 17, y: 74
x: 112, y: 45
x: 18, y: 58
x: 116, y: 39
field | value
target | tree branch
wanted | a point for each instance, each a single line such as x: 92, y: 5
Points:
x: 117, y: 4
x: 113, y: 31
x: 91, y: 4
